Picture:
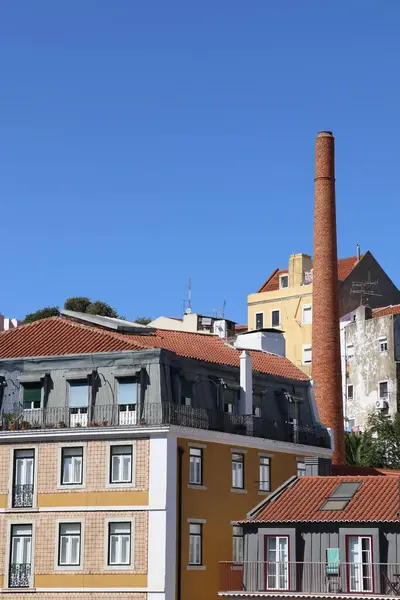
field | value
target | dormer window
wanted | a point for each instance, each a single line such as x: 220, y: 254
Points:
x: 284, y: 281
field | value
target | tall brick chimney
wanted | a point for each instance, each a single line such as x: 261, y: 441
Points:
x: 326, y: 367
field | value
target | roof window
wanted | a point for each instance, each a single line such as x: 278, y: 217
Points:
x: 341, y: 496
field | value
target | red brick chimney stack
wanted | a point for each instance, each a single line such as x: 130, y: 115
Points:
x: 326, y: 368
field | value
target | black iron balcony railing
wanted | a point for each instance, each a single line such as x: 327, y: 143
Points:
x: 22, y: 496
x: 20, y: 575
x: 306, y: 578
x: 164, y: 414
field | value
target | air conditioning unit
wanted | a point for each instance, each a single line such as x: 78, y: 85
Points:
x: 381, y: 404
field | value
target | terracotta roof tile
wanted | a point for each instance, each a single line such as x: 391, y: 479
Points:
x: 377, y: 499
x: 386, y: 310
x: 58, y: 336
x: 345, y: 267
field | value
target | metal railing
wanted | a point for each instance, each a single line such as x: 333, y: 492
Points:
x: 159, y: 414
x: 20, y: 575
x: 22, y: 496
x: 311, y: 578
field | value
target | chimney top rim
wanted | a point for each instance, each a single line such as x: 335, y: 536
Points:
x: 324, y: 134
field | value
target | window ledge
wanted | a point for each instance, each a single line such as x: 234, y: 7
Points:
x: 196, y: 568
x: 16, y: 590
x: 68, y: 568
x: 121, y: 486
x: 25, y: 509
x: 195, y: 486
x: 263, y: 492
x: 67, y: 488
x: 238, y: 491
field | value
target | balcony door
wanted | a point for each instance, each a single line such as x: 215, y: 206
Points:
x: 24, y: 466
x: 277, y: 562
x: 78, y: 400
x: 359, y: 552
x: 21, y: 552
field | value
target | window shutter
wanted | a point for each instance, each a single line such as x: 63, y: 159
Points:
x: 116, y: 474
x: 126, y: 474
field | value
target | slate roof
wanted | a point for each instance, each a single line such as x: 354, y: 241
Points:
x: 58, y: 336
x: 345, y: 267
x: 376, y: 500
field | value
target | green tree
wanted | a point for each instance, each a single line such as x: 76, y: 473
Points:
x: 385, y: 433
x: 359, y: 449
x: 143, y: 320
x: 77, y: 304
x: 101, y: 308
x: 43, y: 313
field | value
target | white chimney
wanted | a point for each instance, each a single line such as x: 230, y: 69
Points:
x: 271, y: 341
x: 246, y: 384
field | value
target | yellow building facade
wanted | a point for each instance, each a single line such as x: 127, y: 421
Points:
x: 286, y: 304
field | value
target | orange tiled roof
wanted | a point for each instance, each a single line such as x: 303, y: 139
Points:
x: 377, y: 499
x: 345, y: 267
x: 57, y: 336
x: 386, y: 310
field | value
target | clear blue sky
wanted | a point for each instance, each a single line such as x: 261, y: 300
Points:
x: 143, y: 143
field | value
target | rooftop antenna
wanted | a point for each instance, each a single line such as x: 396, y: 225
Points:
x: 223, y: 309
x: 189, y: 304
x: 365, y: 289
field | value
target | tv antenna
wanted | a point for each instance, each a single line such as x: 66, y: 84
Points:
x: 365, y: 289
x: 189, y: 304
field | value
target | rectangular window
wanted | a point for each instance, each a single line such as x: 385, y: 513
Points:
x: 265, y: 474
x: 229, y: 407
x: 72, y: 465
x: 383, y: 344
x: 359, y: 549
x: 350, y: 392
x: 284, y: 281
x: 24, y: 469
x: 307, y: 354
x: 127, y: 400
x: 237, y: 550
x: 119, y: 544
x: 257, y: 411
x: 301, y: 468
x: 307, y: 315
x: 383, y: 390
x: 195, y: 543
x: 196, y: 466
x: 21, y: 556
x: 259, y: 320
x: 350, y: 351
x: 78, y: 402
x: 32, y: 395
x: 69, y: 544
x: 238, y: 471
x: 275, y: 318
x: 121, y: 464
x: 277, y: 567
x: 186, y: 392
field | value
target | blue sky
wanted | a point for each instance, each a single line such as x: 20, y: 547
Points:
x: 143, y: 143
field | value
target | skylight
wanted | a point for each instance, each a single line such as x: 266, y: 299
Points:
x: 341, y: 496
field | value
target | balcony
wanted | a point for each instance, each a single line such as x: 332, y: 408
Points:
x: 22, y: 496
x: 20, y: 575
x: 272, y: 579
x: 164, y: 414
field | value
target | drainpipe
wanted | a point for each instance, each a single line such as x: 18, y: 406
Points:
x: 246, y: 384
x: 179, y: 528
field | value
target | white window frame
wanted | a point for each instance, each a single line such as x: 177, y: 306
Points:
x: 350, y: 385
x: 358, y: 569
x: 255, y: 320
x: 79, y: 567
x: 236, y: 461
x: 9, y: 550
x: 114, y: 486
x: 264, y: 485
x: 379, y: 390
x: 283, y: 276
x: 127, y: 567
x: 350, y: 355
x: 197, y: 455
x: 25, y: 382
x: 121, y: 483
x: 306, y: 348
x: 196, y: 523
x: 273, y: 310
x: 71, y: 486
x: 11, y: 474
x: 237, y: 545
x: 276, y: 563
x: 383, y: 341
x: 306, y: 308
x: 301, y: 468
